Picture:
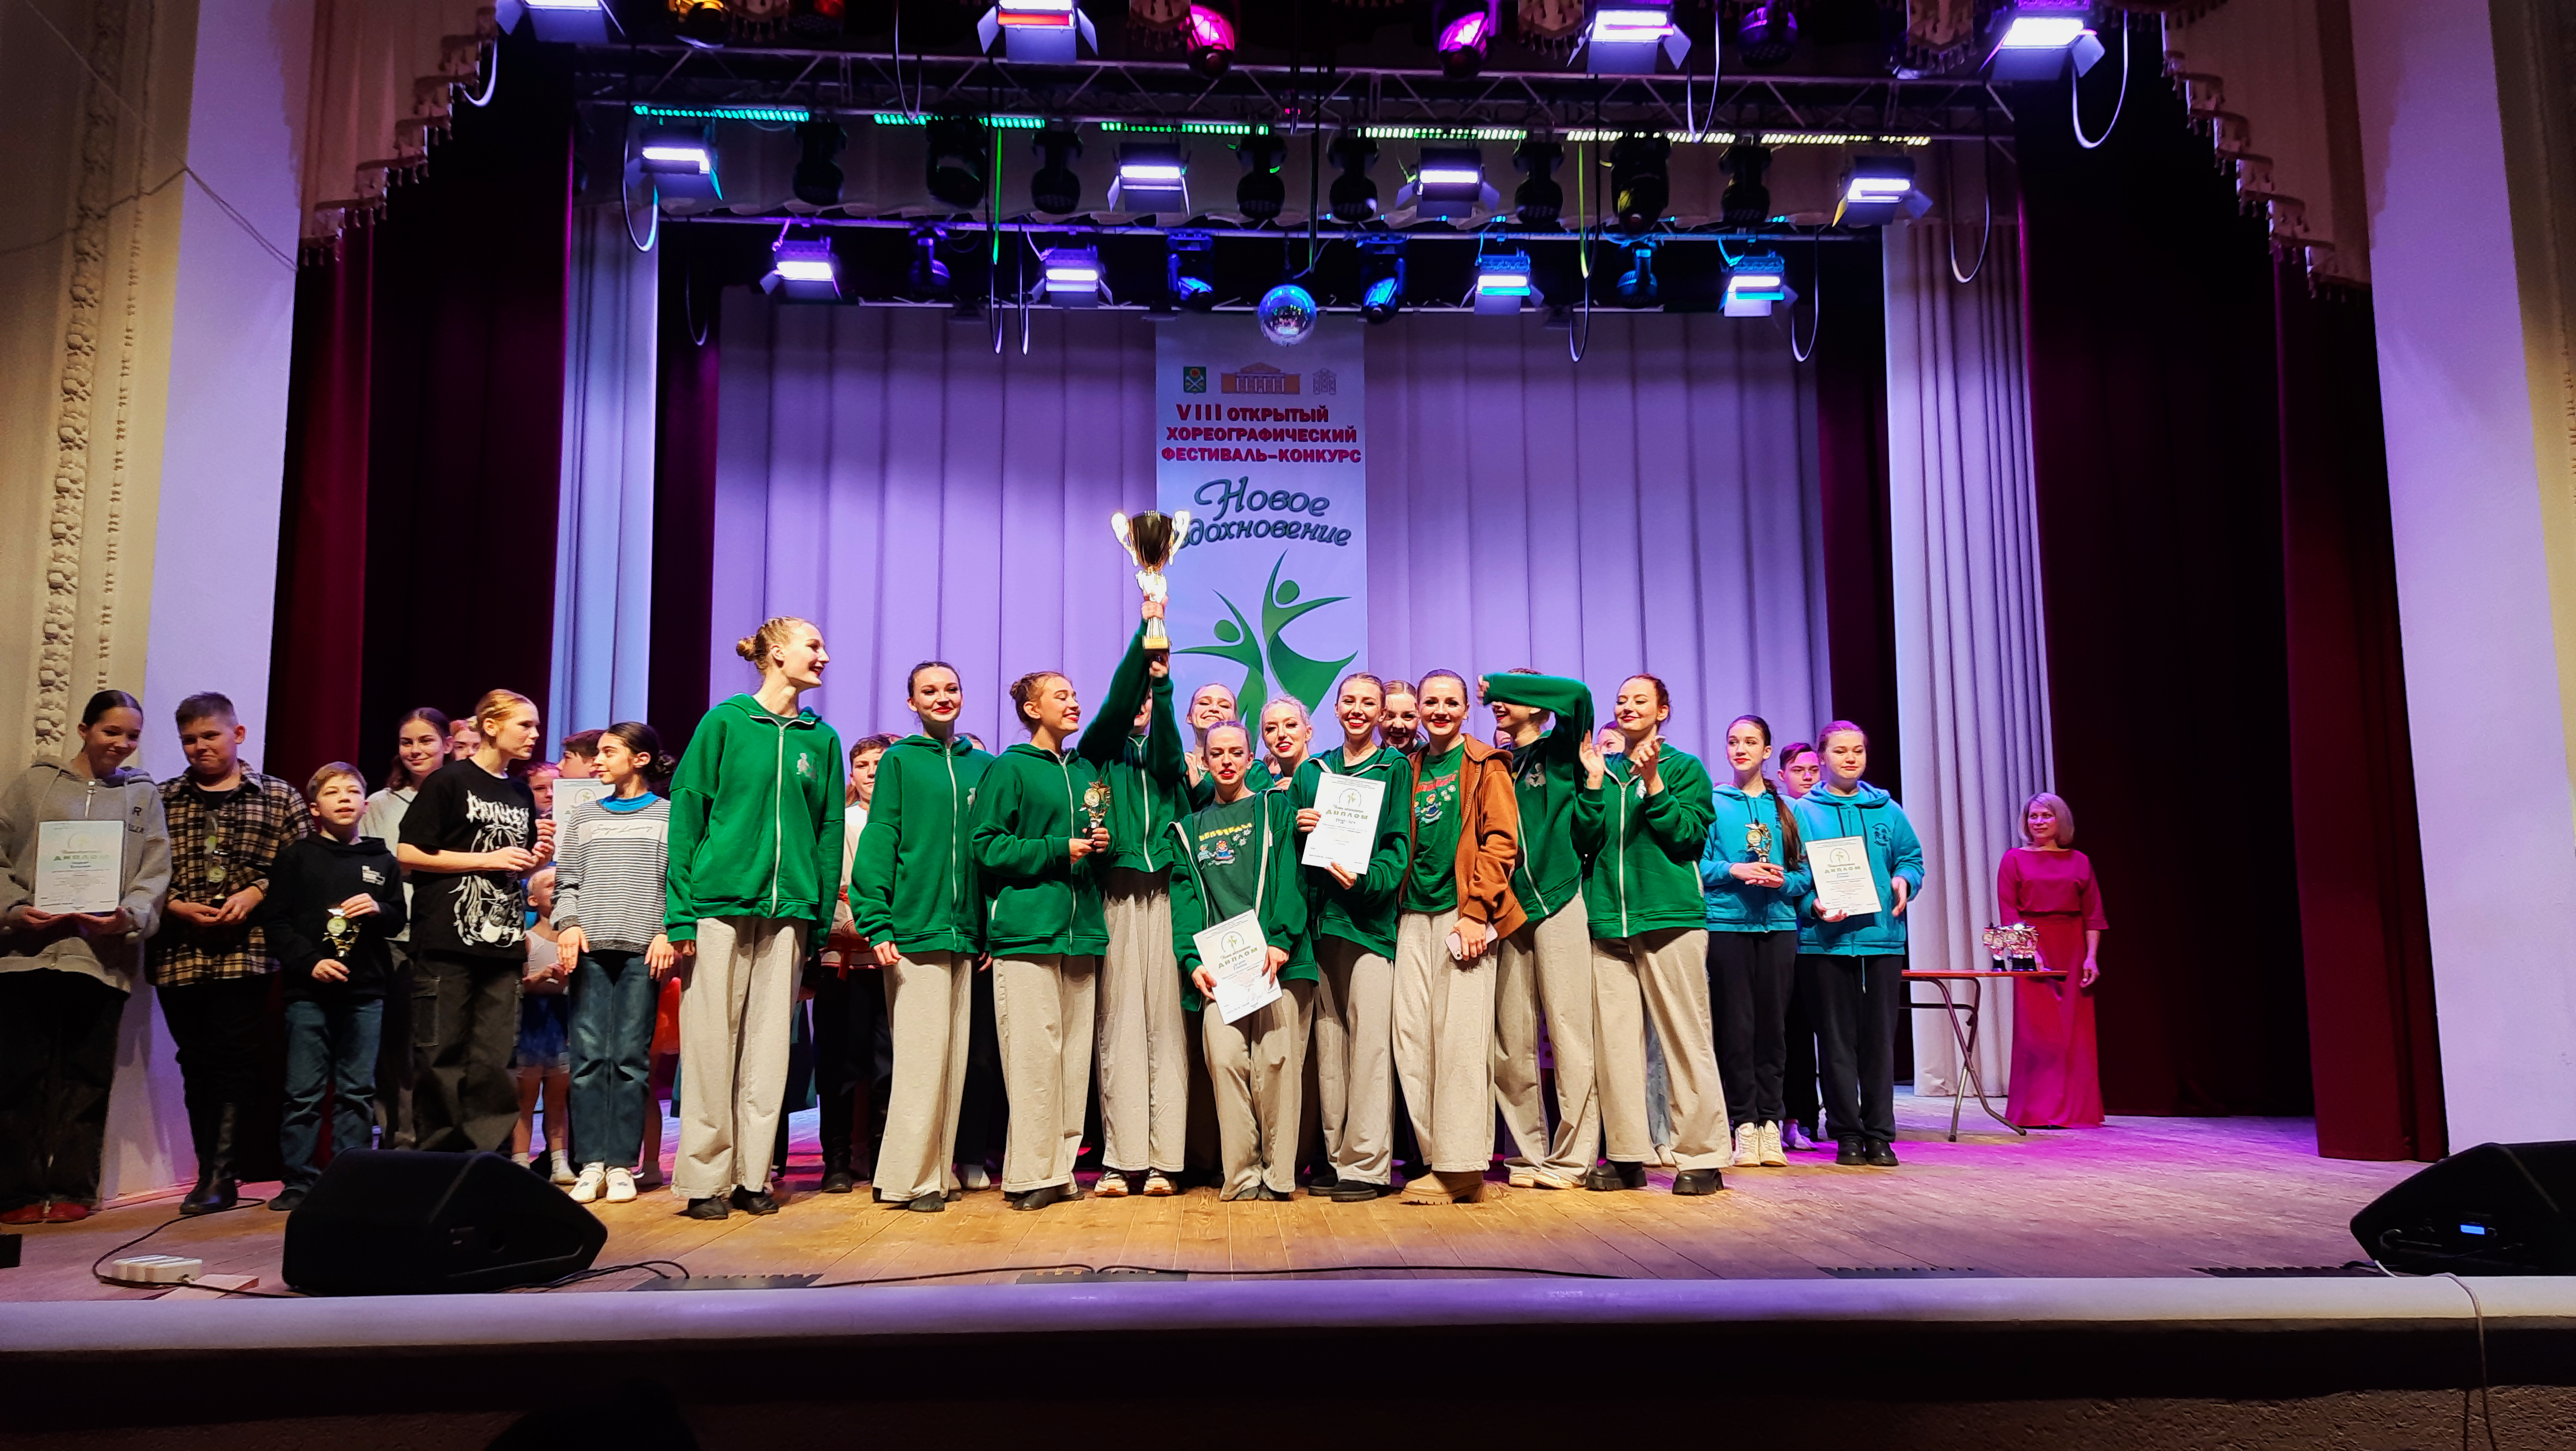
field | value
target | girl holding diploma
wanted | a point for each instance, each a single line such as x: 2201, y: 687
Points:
x: 1752, y: 869
x: 1546, y: 967
x: 1643, y: 821
x: 1238, y: 858
x: 2056, y: 1068
x: 65, y: 976
x: 1850, y: 965
x: 1353, y: 937
x: 915, y: 897
x: 1457, y: 901
x: 1040, y: 818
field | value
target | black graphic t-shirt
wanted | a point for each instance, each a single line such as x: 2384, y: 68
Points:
x: 464, y: 808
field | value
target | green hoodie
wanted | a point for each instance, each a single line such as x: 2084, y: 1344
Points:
x: 1215, y: 845
x: 755, y: 821
x: 1546, y: 775
x: 1039, y: 901
x: 1146, y: 778
x: 912, y: 881
x: 1365, y: 912
x: 1645, y: 850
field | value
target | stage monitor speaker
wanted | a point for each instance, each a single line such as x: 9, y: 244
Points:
x: 2497, y: 1209
x: 404, y: 1223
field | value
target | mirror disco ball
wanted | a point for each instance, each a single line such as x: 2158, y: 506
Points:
x: 1287, y: 314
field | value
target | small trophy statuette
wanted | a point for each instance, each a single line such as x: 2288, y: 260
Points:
x: 342, y: 933
x: 1151, y: 539
x: 1757, y: 839
x: 1095, y: 804
x: 2013, y: 944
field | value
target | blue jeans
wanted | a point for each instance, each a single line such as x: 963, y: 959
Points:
x: 329, y: 1043
x: 613, y: 997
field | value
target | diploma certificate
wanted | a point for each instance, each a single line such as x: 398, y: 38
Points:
x: 1843, y: 882
x: 80, y: 865
x: 1233, y: 952
x: 570, y: 792
x: 1345, y: 831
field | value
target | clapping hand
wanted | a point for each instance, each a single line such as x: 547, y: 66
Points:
x: 1589, y: 753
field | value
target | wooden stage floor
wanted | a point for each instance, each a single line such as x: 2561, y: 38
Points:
x: 2138, y: 1197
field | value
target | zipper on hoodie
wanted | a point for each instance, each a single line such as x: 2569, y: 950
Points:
x: 1072, y: 908
x: 956, y: 862
x: 777, y: 816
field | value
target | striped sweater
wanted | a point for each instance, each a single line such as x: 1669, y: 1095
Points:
x: 609, y: 872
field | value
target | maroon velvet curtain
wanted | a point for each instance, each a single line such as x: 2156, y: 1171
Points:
x: 684, y: 484
x: 416, y: 558
x: 1860, y: 581
x: 2156, y: 442
x: 2352, y: 781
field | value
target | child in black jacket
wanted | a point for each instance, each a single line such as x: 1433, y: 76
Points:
x: 334, y: 899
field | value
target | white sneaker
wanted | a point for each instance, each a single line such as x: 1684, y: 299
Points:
x: 621, y: 1187
x: 1158, y: 1185
x: 594, y: 1177
x: 1546, y: 1179
x: 1772, y: 1155
x: 1522, y: 1176
x: 1748, y: 1146
x: 563, y: 1167
x: 974, y: 1176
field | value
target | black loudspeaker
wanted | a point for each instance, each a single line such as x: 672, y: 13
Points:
x: 402, y: 1223
x: 2497, y: 1209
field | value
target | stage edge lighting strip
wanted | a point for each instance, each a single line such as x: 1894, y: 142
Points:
x: 724, y: 113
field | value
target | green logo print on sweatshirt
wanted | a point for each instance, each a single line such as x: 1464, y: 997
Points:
x: 1265, y: 655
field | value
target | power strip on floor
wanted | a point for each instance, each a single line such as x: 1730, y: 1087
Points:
x: 157, y: 1269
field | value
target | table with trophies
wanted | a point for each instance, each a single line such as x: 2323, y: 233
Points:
x: 2015, y: 952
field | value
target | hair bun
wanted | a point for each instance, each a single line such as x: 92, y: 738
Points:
x: 748, y: 647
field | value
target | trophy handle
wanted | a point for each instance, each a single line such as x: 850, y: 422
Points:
x: 1126, y: 536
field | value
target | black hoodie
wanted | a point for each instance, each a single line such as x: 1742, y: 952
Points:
x: 310, y: 878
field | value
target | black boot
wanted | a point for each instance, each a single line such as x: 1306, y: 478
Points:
x: 216, y: 1189
x: 838, y: 1111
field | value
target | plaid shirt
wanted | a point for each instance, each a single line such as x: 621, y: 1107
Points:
x: 213, y: 854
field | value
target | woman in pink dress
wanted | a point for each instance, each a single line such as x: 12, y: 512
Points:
x: 2056, y: 1069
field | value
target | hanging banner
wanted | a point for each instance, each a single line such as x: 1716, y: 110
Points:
x: 1265, y: 447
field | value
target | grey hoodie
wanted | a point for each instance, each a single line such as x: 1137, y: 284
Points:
x: 52, y: 791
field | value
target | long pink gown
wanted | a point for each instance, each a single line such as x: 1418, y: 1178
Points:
x: 2056, y: 1067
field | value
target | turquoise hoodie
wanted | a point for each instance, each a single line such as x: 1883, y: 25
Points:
x: 1874, y: 816
x: 1738, y: 906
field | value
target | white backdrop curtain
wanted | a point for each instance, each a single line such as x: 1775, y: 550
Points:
x: 884, y: 473
x: 1971, y: 687
x: 604, y: 526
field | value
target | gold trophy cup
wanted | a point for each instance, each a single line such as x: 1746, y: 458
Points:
x: 1151, y: 539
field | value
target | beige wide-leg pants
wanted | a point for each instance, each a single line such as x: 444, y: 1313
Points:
x: 737, y: 1011
x: 1257, y: 1063
x: 930, y: 1003
x: 1662, y: 976
x: 1444, y: 1043
x: 1043, y: 1007
x: 1144, y: 1033
x: 1545, y: 969
x: 1354, y: 1047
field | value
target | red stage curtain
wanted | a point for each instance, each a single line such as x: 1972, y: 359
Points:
x: 2156, y: 443
x: 2352, y: 780
x: 1860, y: 581
x: 319, y: 642
x: 684, y: 484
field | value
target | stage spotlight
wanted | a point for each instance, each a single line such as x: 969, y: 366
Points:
x: 1188, y: 249
x: 1287, y: 314
x: 1637, y: 284
x: 1040, y: 32
x: 1354, y: 196
x: 1053, y: 187
x: 704, y: 23
x: 803, y: 272
x: 960, y: 153
x: 1747, y: 201
x: 929, y: 274
x: 1261, y: 193
x: 1071, y: 276
x: 2034, y: 39
x: 1539, y: 200
x: 1151, y: 178
x: 1449, y: 183
x: 1755, y: 283
x: 1624, y: 37
x: 1502, y: 282
x: 574, y: 22
x: 1463, y: 32
x: 1875, y: 189
x: 1639, y: 188
x: 681, y: 160
x: 1768, y: 34
x: 1381, y: 278
x: 817, y: 178
x: 1207, y: 32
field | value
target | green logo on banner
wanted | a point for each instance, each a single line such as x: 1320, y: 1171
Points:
x: 1194, y: 380
x: 1266, y: 655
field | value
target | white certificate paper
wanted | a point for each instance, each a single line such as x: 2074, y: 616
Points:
x: 1345, y: 831
x: 79, y: 865
x: 570, y: 792
x: 1233, y: 952
x: 1843, y: 883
